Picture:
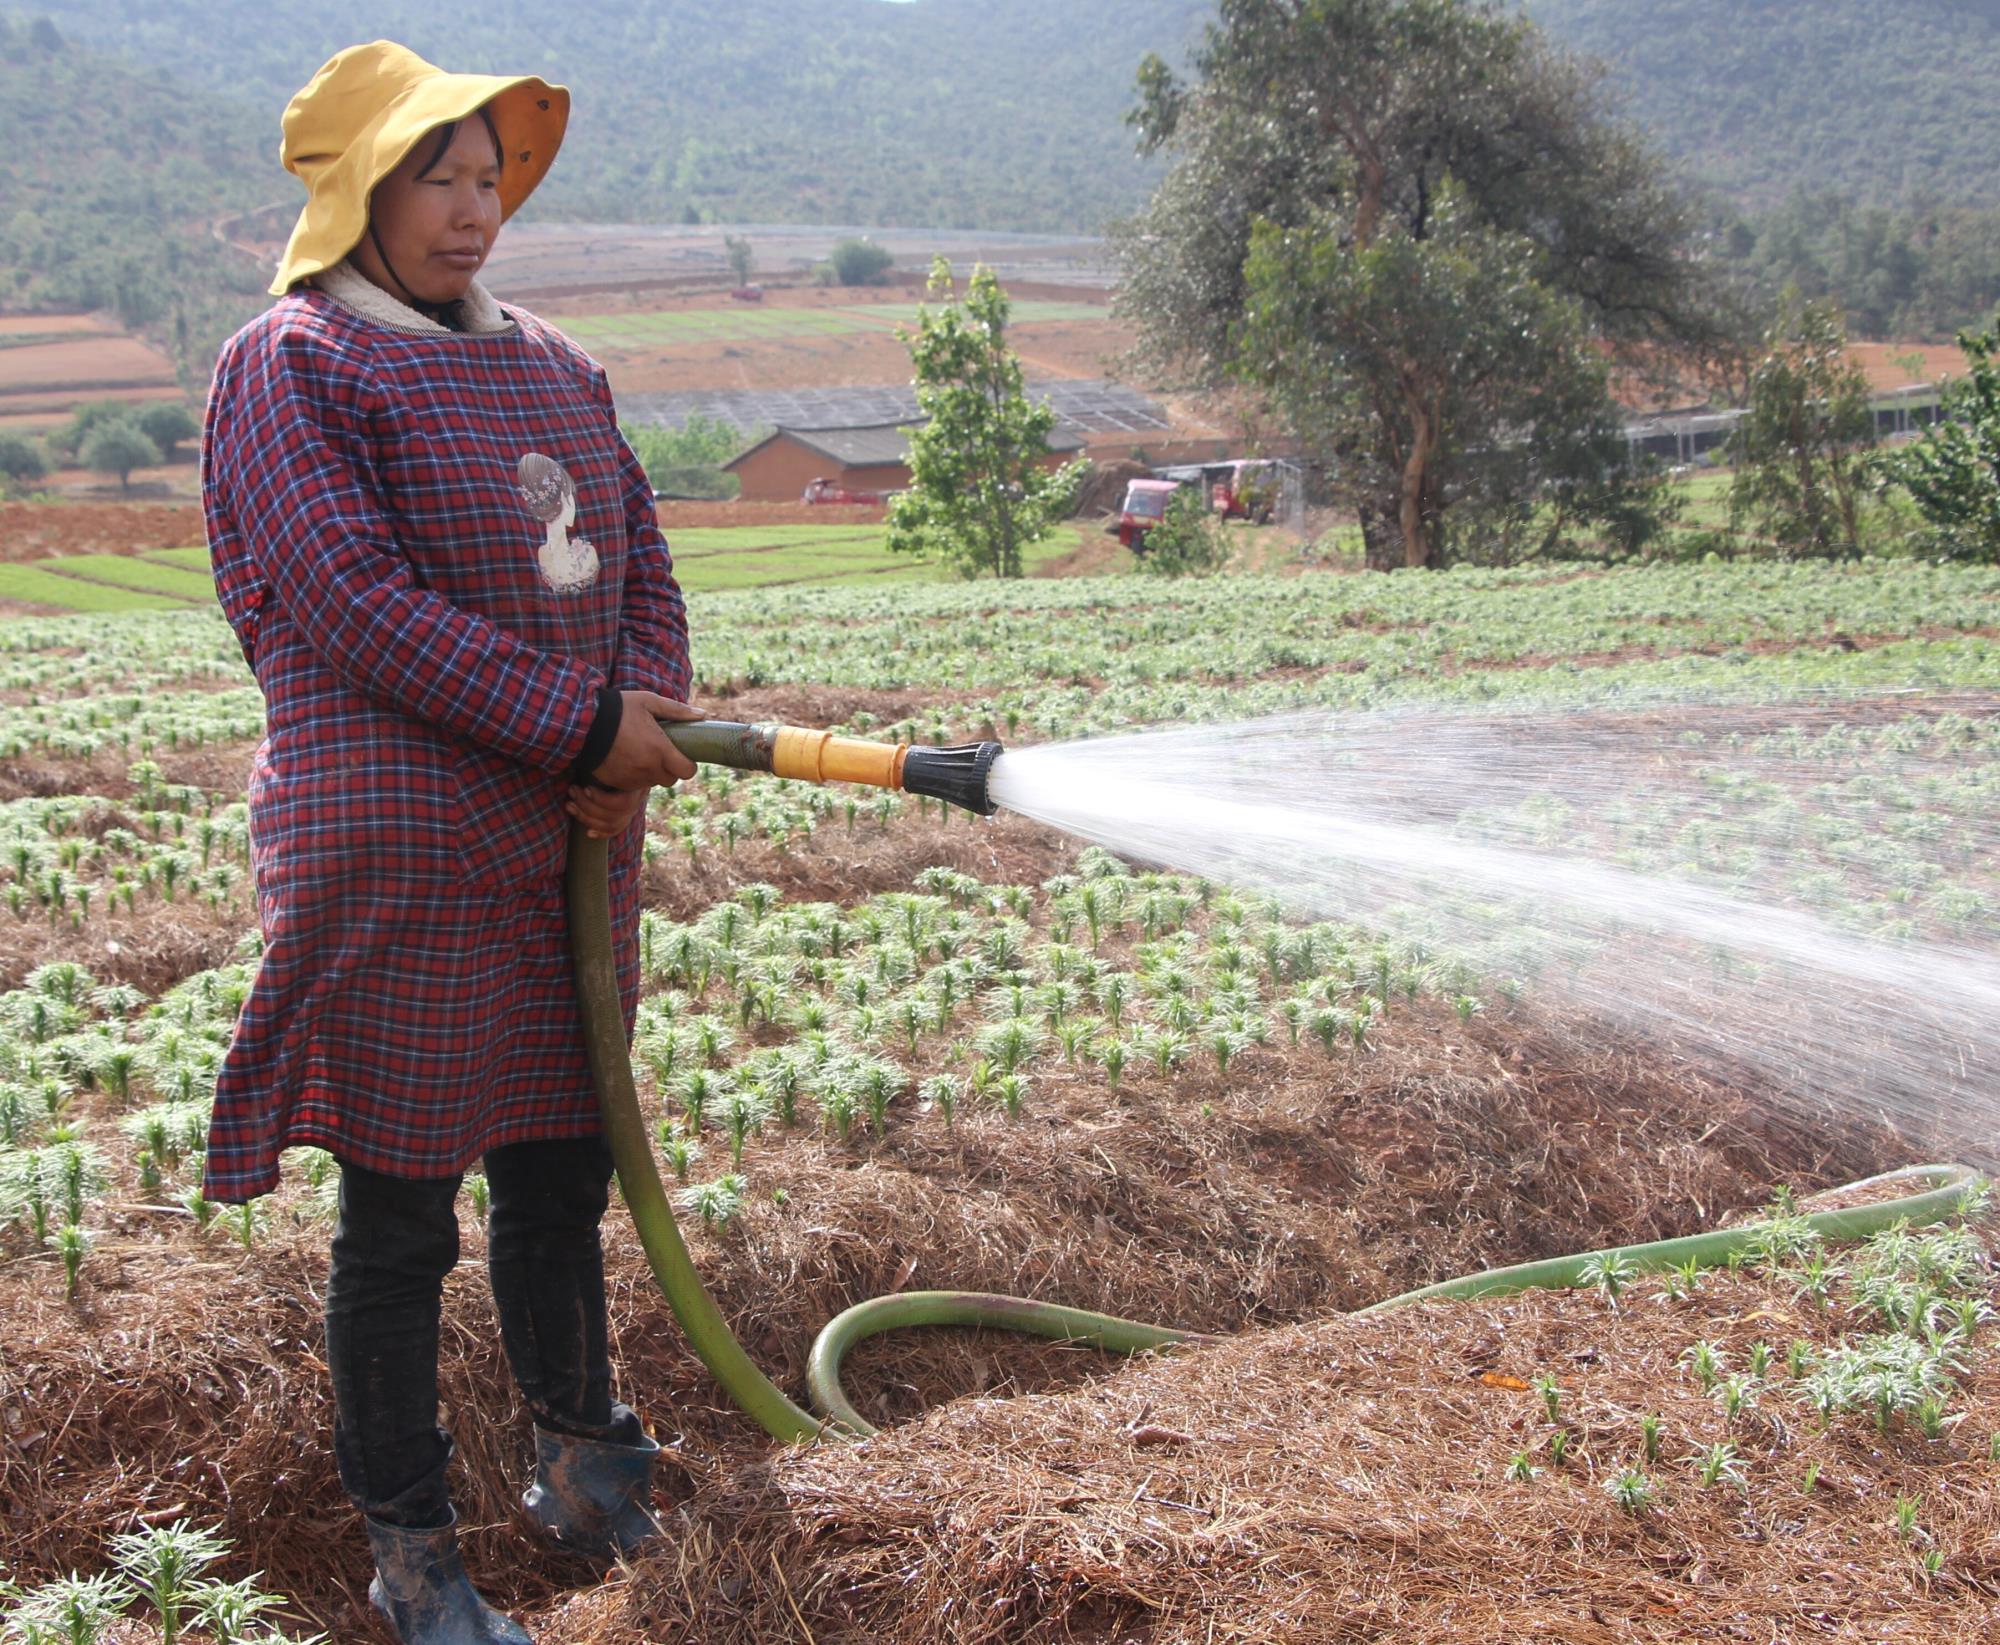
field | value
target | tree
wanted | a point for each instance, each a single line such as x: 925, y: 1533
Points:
x: 741, y: 259
x: 1953, y: 471
x: 1357, y: 143
x: 118, y: 448
x: 980, y: 490
x: 166, y: 423
x: 1801, y: 450
x: 859, y: 262
x: 84, y: 421
x: 22, y: 460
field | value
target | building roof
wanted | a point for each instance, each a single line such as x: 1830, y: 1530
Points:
x: 870, y: 445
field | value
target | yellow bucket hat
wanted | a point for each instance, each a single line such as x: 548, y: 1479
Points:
x: 365, y: 110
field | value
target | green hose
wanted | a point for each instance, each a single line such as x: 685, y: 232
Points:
x: 588, y: 890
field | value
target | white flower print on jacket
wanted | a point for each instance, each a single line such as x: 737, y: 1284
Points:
x: 567, y: 563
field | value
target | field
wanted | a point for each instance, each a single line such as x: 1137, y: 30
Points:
x: 753, y: 323
x: 50, y: 362
x: 887, y: 1049
x: 707, y: 559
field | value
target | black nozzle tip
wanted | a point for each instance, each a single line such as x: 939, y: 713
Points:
x: 957, y: 774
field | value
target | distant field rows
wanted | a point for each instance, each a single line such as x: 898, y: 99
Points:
x: 706, y: 559
x: 756, y: 324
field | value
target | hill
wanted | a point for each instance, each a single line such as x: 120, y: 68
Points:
x: 110, y: 183
x: 995, y: 114
x: 1762, y: 98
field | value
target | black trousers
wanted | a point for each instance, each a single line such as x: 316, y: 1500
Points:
x: 395, y: 1241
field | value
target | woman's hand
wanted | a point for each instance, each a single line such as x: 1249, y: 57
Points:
x: 606, y: 812
x: 641, y: 755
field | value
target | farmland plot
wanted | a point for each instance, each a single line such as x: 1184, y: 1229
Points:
x: 883, y: 1047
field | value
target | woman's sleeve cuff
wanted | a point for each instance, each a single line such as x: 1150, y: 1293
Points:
x: 602, y: 734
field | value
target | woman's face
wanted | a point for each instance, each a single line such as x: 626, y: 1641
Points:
x: 437, y: 221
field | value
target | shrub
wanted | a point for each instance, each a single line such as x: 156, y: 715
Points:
x: 1953, y: 473
x: 1188, y: 542
x: 166, y: 424
x: 22, y: 459
x: 857, y: 262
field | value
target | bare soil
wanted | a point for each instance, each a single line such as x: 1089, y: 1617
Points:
x: 86, y: 364
x: 1062, y: 349
x: 37, y: 531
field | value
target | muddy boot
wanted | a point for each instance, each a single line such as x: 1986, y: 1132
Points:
x: 421, y: 1587
x: 592, y: 1495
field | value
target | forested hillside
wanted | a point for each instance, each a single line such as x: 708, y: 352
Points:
x: 1855, y: 141
x: 111, y: 179
x: 1765, y: 97
x: 996, y: 114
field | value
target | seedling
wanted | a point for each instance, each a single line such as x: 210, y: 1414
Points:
x: 72, y: 1244
x: 1609, y: 1273
x: 1649, y: 1436
x: 744, y: 1111
x: 1735, y: 1395
x: 1718, y: 1462
x: 715, y: 1202
x: 1520, y: 1468
x: 1012, y: 1090
x: 1905, y: 1520
x: 480, y: 1192
x: 679, y: 1151
x: 230, y: 1610
x: 1559, y: 1446
x: 1811, y: 1480
x: 246, y: 1222
x: 74, y: 1610
x: 1705, y: 1359
x: 1550, y: 1392
x: 163, y: 1564
x: 1631, y: 1490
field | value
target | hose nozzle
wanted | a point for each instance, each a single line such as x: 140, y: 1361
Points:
x: 958, y: 774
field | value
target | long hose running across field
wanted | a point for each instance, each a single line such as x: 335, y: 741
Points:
x: 1936, y: 1190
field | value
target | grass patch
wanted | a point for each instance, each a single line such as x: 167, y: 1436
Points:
x: 188, y: 559
x: 128, y: 571
x: 39, y: 587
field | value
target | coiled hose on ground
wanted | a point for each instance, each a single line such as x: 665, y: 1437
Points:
x: 1936, y: 1190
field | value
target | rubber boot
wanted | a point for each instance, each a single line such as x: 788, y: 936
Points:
x: 421, y: 1587
x: 593, y: 1496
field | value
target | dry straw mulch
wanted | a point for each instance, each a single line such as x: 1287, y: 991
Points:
x: 1345, y: 1481
x: 186, y: 1379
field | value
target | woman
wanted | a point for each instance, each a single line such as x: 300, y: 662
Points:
x: 443, y: 565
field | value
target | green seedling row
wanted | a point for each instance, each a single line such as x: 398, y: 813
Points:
x: 136, y: 572
x: 38, y: 586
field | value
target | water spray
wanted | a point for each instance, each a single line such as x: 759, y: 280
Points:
x: 974, y: 777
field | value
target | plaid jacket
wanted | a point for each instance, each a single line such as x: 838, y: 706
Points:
x: 429, y: 618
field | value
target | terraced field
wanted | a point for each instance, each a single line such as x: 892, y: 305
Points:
x: 706, y: 559
x: 750, y: 323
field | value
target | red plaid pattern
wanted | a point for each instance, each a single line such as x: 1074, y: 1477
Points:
x: 425, y: 688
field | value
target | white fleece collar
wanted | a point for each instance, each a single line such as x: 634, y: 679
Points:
x: 348, y: 286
